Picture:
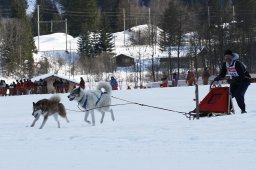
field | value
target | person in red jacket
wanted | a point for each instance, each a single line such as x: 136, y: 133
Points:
x: 113, y: 83
x: 190, y: 80
x: 82, y: 83
x: 18, y: 87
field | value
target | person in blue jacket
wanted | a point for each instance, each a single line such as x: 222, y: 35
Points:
x: 239, y: 78
x: 114, y: 83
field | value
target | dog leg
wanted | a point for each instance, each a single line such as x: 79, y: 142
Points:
x: 93, y: 118
x: 67, y: 119
x: 36, y: 118
x: 112, y: 115
x: 56, y: 118
x: 102, y: 117
x: 42, y: 125
x: 86, y: 117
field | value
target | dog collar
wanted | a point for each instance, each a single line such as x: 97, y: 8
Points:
x: 81, y: 99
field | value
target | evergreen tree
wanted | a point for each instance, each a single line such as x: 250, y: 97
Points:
x: 174, y: 26
x: 106, y: 37
x: 84, y: 45
x: 17, y: 41
x: 18, y: 8
x: 82, y: 16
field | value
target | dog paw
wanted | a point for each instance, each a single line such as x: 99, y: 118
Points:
x: 87, y: 121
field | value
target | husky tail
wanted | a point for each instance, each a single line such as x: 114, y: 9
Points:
x: 55, y: 98
x: 62, y: 111
x: 105, y: 85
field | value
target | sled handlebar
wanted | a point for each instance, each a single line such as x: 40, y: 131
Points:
x: 212, y: 85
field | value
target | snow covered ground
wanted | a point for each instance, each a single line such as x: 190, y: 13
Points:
x: 141, y: 138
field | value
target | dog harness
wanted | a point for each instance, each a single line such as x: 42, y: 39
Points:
x: 98, y: 99
x: 85, y: 102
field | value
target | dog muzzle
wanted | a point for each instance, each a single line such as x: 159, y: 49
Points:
x: 36, y: 113
x: 72, y: 97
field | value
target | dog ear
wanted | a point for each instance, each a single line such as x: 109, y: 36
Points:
x: 34, y: 104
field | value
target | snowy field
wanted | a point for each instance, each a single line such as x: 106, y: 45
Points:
x: 141, y: 138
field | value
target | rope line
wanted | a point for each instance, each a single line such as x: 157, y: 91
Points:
x: 187, y: 114
x: 155, y: 107
x: 83, y: 110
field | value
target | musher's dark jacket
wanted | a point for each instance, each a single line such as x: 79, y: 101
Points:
x: 241, y: 76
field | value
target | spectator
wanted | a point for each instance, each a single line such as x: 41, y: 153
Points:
x: 82, y: 83
x: 2, y: 84
x: 174, y: 79
x: 18, y: 87
x: 55, y: 85
x: 239, y: 78
x: 61, y: 86
x: 66, y: 86
x: 25, y: 86
x: 12, y: 89
x: 205, y: 76
x: 44, y: 87
x: 190, y: 80
x: 114, y: 83
x: 164, y: 80
x: 3, y: 88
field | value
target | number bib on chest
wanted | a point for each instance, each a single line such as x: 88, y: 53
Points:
x: 232, y: 72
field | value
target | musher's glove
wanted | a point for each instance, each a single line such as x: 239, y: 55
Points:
x: 229, y: 81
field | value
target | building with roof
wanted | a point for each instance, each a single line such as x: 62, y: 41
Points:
x: 51, y: 78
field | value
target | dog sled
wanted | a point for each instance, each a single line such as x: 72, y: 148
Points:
x: 217, y: 102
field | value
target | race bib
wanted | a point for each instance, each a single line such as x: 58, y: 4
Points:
x: 232, y: 72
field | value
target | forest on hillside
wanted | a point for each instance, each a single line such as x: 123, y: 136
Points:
x: 216, y: 25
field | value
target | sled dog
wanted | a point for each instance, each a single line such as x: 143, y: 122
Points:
x: 48, y: 107
x: 99, y: 99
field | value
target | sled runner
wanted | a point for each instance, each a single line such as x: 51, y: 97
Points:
x: 217, y: 102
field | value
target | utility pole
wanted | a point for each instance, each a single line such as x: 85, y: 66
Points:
x: 66, y: 26
x: 70, y: 59
x: 234, y: 13
x: 208, y: 12
x: 124, y: 24
x: 51, y: 26
x: 151, y: 40
x: 21, y: 68
x: 1, y: 60
x: 38, y: 27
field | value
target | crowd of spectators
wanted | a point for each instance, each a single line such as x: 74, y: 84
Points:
x: 26, y: 86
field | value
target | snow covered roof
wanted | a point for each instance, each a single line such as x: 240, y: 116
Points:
x: 50, y: 75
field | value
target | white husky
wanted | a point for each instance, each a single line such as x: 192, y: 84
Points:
x: 94, y: 99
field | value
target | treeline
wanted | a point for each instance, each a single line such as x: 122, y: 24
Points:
x: 215, y: 25
x: 16, y: 39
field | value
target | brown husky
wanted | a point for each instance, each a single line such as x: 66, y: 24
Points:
x: 48, y: 107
